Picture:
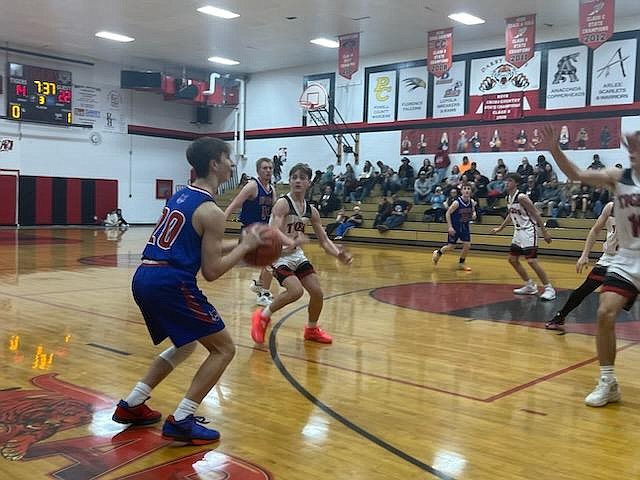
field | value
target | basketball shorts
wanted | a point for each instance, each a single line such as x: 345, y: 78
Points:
x: 172, y: 305
x: 598, y: 272
x: 525, y: 242
x: 623, y: 274
x: 292, y: 264
x: 463, y: 233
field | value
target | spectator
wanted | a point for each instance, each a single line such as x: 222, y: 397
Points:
x: 399, y: 211
x: 524, y: 169
x: 454, y: 177
x: 278, y: 162
x: 472, y: 171
x: 499, y: 168
x: 599, y: 198
x: 391, y: 183
x: 426, y: 163
x: 244, y: 179
x: 328, y: 178
x: 565, y: 204
x: 355, y: 220
x: 596, y: 164
x: 407, y: 174
x: 366, y: 181
x: 581, y: 199
x: 441, y: 163
x: 464, y: 166
x: 495, y: 189
x: 532, y: 189
x: 437, y: 210
x: 549, y: 197
x: 480, y: 183
x: 328, y: 203
x: 421, y: 189
x: 384, y: 210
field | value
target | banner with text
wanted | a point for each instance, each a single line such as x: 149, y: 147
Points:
x: 596, y: 22
x: 448, y: 92
x: 520, y: 36
x: 349, y: 54
x: 567, y: 70
x: 440, y: 51
x: 412, y: 93
x: 502, y: 106
x: 102, y: 106
x: 381, y: 104
x: 613, y: 73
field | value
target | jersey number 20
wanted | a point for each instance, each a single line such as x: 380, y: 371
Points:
x: 167, y: 229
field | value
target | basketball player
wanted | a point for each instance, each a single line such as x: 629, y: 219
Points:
x: 291, y: 213
x: 622, y: 280
x: 597, y: 274
x: 187, y: 238
x: 257, y: 198
x: 458, y: 215
x: 526, y: 221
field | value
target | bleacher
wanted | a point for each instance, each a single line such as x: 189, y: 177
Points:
x: 568, y: 238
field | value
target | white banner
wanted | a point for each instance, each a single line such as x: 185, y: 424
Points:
x: 496, y: 75
x: 382, y: 97
x: 103, y: 106
x: 567, y: 77
x: 412, y: 93
x: 613, y: 74
x: 448, y: 92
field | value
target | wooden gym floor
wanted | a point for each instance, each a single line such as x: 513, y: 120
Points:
x: 433, y: 373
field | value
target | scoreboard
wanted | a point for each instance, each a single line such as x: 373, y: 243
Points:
x: 39, y: 94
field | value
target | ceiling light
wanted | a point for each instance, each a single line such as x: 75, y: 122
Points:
x: 223, y: 61
x: 325, y: 42
x: 114, y: 36
x: 217, y: 12
x: 466, y: 18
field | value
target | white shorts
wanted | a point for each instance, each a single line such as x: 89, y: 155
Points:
x: 291, y: 260
x: 626, y: 264
x: 605, y: 260
x: 525, y: 237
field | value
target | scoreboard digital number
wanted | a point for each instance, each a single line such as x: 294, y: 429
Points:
x: 39, y: 94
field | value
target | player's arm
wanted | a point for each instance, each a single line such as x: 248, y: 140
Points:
x: 502, y: 225
x: 593, y: 236
x: 606, y: 176
x: 526, y: 203
x: 248, y: 192
x: 208, y: 221
x: 454, y: 206
x: 474, y: 215
x: 326, y: 244
x: 278, y: 221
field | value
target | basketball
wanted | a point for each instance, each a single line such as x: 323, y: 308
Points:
x: 267, y: 253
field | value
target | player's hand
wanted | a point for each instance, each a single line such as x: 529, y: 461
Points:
x: 452, y: 231
x: 547, y: 237
x: 344, y: 256
x: 550, y: 137
x: 582, y: 262
x: 496, y: 229
x: 300, y: 239
x: 252, y: 236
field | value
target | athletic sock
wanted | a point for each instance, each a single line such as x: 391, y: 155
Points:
x: 185, y: 408
x: 266, y: 312
x: 138, y: 395
x: 606, y: 371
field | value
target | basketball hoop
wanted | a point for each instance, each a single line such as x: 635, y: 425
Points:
x: 313, y: 98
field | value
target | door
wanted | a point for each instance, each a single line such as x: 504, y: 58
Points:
x: 8, y: 197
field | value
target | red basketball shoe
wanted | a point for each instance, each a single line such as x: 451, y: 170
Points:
x: 316, y: 334
x: 259, y: 324
x: 138, y: 415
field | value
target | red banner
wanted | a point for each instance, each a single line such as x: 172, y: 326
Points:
x: 440, y: 51
x: 596, y: 22
x: 502, y: 106
x: 520, y: 36
x: 349, y: 55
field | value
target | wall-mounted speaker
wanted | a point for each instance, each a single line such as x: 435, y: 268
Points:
x: 203, y: 115
x: 140, y: 80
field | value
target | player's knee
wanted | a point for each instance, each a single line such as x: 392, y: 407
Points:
x: 513, y: 260
x: 532, y: 261
x: 606, y: 317
x: 295, y: 291
x: 316, y: 293
x: 175, y: 356
x: 228, y: 351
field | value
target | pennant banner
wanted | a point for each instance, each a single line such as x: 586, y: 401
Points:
x: 520, y: 36
x: 596, y: 22
x: 440, y: 51
x: 349, y: 55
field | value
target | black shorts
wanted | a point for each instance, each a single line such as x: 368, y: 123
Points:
x: 529, y: 252
x: 283, y: 272
x: 616, y: 284
x: 598, y: 273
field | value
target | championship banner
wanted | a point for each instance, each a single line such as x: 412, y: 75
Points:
x: 412, y: 93
x: 502, y: 106
x: 349, y: 54
x: 567, y: 77
x: 613, y: 74
x: 381, y: 103
x: 596, y: 22
x: 520, y: 36
x: 440, y: 51
x: 448, y: 92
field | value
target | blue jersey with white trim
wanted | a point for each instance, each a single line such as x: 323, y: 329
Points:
x: 257, y: 210
x: 174, y: 240
x: 463, y: 215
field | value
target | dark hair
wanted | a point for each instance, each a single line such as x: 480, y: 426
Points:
x: 204, y: 149
x: 301, y: 167
x: 260, y: 161
x: 515, y: 177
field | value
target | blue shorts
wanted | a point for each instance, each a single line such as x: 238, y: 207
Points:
x: 463, y: 233
x: 172, y: 305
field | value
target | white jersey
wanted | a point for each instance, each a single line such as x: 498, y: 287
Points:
x: 519, y: 216
x: 627, y: 211
x: 295, y: 223
x: 610, y: 245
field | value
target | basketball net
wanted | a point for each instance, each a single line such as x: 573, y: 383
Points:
x: 313, y: 98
